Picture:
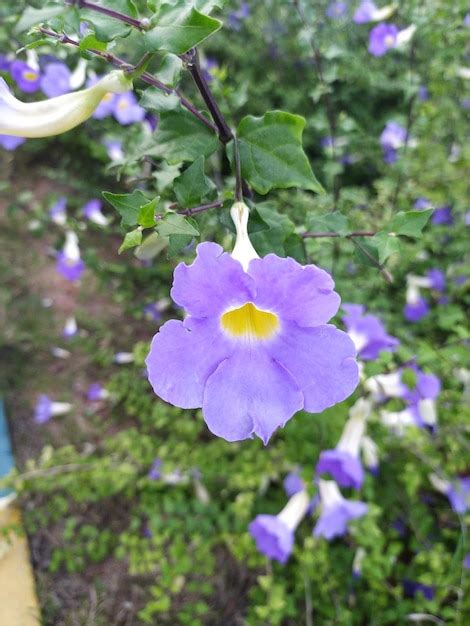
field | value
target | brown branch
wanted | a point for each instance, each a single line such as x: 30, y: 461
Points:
x: 357, y: 233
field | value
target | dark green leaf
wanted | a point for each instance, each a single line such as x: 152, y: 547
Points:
x: 411, y: 223
x: 178, y: 27
x: 131, y: 240
x: 271, y: 153
x: 387, y: 244
x: 159, y: 101
x: 128, y: 205
x: 146, y: 217
x: 366, y: 254
x: 269, y: 230
x: 193, y: 185
x: 170, y: 69
x: 32, y: 17
x: 107, y: 28
x: 91, y: 42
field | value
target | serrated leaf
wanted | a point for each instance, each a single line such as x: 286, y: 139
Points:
x: 146, y: 217
x: 334, y: 222
x: 128, y: 205
x: 131, y: 240
x: 174, y: 224
x: 193, y: 185
x: 410, y: 223
x: 107, y: 28
x: 31, y: 17
x: 271, y: 153
x: 386, y: 245
x: 182, y: 137
x: 159, y: 101
x: 178, y: 27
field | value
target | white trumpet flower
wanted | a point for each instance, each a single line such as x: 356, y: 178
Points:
x: 56, y: 115
x: 243, y: 250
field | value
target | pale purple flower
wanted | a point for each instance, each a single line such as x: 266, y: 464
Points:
x: 466, y: 20
x: 155, y: 470
x: 92, y: 211
x: 367, y: 332
x: 10, y: 142
x: 392, y: 138
x: 343, y: 462
x: 336, y: 9
x: 466, y: 218
x: 235, y: 18
x: 208, y: 67
x: 385, y: 386
x: 154, y: 310
x: 96, y: 392
x: 274, y: 534
x: 443, y: 216
x: 70, y: 328
x: 114, y: 149
x: 458, y: 493
x: 466, y: 561
x: 382, y: 38
x: 46, y: 408
x: 365, y: 12
x: 293, y: 483
x: 255, y: 346
x: 57, y: 212
x: 437, y: 279
x: 421, y: 204
x: 336, y: 511
x: 55, y: 80
x: 123, y: 358
x: 106, y: 106
x: 423, y: 93
x: 27, y: 78
x: 417, y: 309
x: 126, y: 110
x: 4, y: 63
x: 69, y: 263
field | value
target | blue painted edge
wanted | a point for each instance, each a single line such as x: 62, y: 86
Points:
x: 7, y: 462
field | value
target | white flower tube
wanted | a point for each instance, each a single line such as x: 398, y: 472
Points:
x: 405, y: 36
x: 354, y: 428
x: 71, y: 250
x: 243, y: 250
x: 295, y: 510
x: 56, y: 115
x: 78, y: 76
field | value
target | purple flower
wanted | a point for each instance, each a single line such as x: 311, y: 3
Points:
x: 336, y: 511
x: 411, y: 588
x: 235, y: 18
x: 4, y: 63
x: 154, y: 310
x: 336, y: 9
x: 10, y: 142
x: 274, y: 534
x: 92, y: 211
x: 208, y: 67
x: 106, y: 106
x: 255, y: 346
x: 57, y: 212
x: 343, y: 463
x: 155, y: 470
x: 367, y: 332
x: 70, y: 328
x: 423, y: 93
x: 393, y: 137
x: 421, y: 204
x: 55, y: 80
x: 466, y: 218
x: 27, y: 78
x: 114, y: 149
x: 96, y: 392
x: 458, y: 492
x: 69, y: 263
x: 365, y: 12
x: 382, y: 38
x: 293, y: 483
x: 415, y: 310
x: 45, y: 409
x: 443, y: 216
x: 466, y: 561
x: 126, y: 110
x: 437, y: 279
x: 466, y: 20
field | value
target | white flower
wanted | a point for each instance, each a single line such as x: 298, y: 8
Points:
x: 56, y: 115
x: 243, y: 250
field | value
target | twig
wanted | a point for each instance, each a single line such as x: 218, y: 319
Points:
x: 385, y: 273
x: 117, y: 15
x: 121, y: 64
x: 356, y: 233
x: 217, y: 204
x: 238, y: 171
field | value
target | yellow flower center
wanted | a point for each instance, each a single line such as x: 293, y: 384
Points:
x: 107, y: 97
x: 389, y: 41
x: 30, y: 76
x: 250, y: 323
x: 123, y: 104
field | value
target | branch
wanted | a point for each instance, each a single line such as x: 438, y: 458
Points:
x: 117, y: 15
x: 199, y: 209
x: 146, y: 76
x: 356, y: 233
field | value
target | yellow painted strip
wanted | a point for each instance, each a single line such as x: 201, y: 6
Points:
x: 250, y: 323
x: 18, y: 602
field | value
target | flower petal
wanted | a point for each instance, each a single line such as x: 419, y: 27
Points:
x: 303, y: 294
x: 181, y: 357
x: 212, y: 283
x: 248, y: 394
x: 321, y: 360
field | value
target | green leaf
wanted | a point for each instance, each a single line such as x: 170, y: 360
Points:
x: 269, y: 230
x: 107, y: 28
x: 411, y: 223
x: 90, y: 41
x: 177, y: 243
x: 334, y: 222
x: 128, y: 205
x: 387, y: 244
x: 174, y: 224
x: 193, y: 185
x: 31, y: 17
x: 151, y: 247
x: 361, y: 256
x: 159, y: 101
x: 182, y: 137
x: 131, y: 240
x: 170, y: 69
x: 146, y: 217
x: 271, y: 153
x: 178, y: 27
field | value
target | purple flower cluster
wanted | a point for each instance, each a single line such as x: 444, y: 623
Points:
x: 123, y: 107
x: 367, y: 332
